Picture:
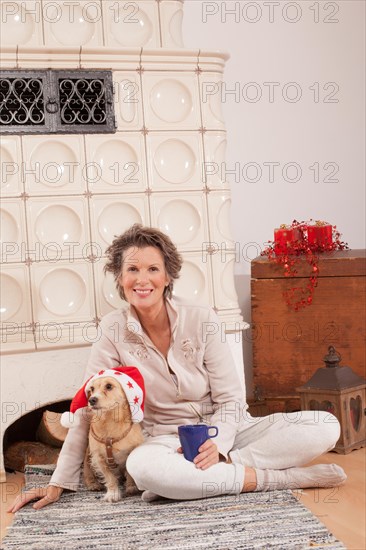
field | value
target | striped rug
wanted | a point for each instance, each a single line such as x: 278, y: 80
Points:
x: 83, y: 521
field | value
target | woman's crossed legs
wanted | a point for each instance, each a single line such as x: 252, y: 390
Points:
x: 265, y: 456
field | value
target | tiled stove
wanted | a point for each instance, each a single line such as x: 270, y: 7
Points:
x: 64, y: 197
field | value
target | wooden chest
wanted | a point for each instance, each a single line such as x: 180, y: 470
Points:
x: 288, y: 345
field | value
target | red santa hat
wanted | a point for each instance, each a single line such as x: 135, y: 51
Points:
x: 132, y: 384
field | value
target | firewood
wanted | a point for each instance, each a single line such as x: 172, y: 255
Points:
x: 18, y: 454
x: 50, y: 430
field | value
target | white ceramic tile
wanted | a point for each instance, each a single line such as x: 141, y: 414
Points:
x: 17, y: 338
x: 46, y: 57
x: 112, y: 215
x: 223, y: 265
x: 212, y: 61
x: 183, y: 217
x: 76, y: 23
x: 171, y: 21
x: 110, y: 58
x: 21, y: 22
x: 117, y: 163
x: 219, y: 208
x: 58, y: 228
x: 52, y: 334
x: 62, y: 292
x: 171, y: 100
x: 15, y: 296
x: 194, y: 284
x: 212, y: 99
x: 8, y: 57
x: 11, y: 161
x: 175, y: 161
x: 131, y: 24
x: 54, y: 165
x: 13, y: 239
x: 107, y: 297
x: 216, y: 170
x: 127, y: 100
x: 166, y: 61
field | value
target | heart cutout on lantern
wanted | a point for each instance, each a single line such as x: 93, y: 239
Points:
x: 355, y: 412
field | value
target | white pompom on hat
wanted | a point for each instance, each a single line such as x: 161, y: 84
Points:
x: 132, y: 384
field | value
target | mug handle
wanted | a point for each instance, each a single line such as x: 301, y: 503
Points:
x: 212, y: 428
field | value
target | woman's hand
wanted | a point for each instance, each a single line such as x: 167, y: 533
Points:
x: 48, y: 495
x: 208, y: 455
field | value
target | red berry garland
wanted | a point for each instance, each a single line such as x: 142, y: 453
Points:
x: 299, y: 239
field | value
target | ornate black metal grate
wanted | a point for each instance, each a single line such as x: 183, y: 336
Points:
x: 82, y: 101
x: 56, y: 102
x: 22, y: 102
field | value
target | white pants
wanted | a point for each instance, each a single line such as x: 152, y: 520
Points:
x: 278, y: 441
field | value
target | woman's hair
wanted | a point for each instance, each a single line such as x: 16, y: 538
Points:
x: 141, y: 237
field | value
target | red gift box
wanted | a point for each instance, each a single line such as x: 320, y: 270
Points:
x: 286, y: 239
x: 302, y: 238
x: 320, y: 235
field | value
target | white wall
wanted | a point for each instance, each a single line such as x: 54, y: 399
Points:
x: 328, y: 127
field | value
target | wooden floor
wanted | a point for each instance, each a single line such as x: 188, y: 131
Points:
x: 342, y: 510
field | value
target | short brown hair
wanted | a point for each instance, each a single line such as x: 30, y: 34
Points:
x: 141, y: 237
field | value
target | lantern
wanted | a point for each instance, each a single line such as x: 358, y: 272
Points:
x: 341, y: 392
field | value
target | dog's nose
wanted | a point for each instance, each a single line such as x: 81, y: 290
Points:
x: 93, y: 401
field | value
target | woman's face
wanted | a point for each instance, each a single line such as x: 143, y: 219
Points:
x: 143, y: 277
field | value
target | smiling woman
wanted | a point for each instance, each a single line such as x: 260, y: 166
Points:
x: 143, y: 275
x: 145, y: 263
x: 122, y: 254
x: 143, y: 281
x: 190, y: 377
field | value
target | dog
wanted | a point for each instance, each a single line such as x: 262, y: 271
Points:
x: 112, y: 437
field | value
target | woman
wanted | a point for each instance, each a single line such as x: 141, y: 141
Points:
x: 190, y: 377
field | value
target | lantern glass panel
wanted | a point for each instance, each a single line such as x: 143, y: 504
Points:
x: 328, y: 406
x: 355, y: 406
x: 325, y: 405
x: 314, y: 405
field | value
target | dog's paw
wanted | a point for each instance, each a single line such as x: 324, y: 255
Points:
x: 130, y: 486
x: 113, y: 495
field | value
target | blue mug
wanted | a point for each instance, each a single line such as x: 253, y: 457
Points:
x: 192, y: 436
